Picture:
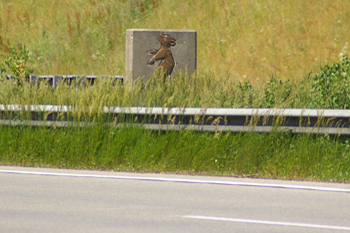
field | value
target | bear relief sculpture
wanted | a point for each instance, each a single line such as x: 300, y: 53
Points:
x: 164, y: 54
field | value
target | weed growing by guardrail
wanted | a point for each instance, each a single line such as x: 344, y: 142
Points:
x: 17, y: 65
x: 276, y: 91
x: 331, y: 85
x: 2, y: 73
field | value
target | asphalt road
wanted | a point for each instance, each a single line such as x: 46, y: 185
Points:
x: 57, y: 200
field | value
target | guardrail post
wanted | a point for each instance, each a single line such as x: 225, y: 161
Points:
x: 51, y: 79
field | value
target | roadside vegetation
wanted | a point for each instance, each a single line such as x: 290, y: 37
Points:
x: 285, y: 54
x: 275, y: 155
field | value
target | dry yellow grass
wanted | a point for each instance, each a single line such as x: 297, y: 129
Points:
x: 248, y: 39
x: 254, y: 38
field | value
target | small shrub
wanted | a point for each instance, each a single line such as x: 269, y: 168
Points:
x: 331, y: 86
x: 276, y: 91
x: 247, y: 94
x: 17, y: 65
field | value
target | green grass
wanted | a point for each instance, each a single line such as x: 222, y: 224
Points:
x: 275, y: 155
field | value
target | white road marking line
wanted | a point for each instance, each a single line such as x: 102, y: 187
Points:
x: 263, y: 185
x: 288, y: 224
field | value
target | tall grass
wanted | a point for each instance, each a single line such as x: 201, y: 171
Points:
x: 247, y: 39
x: 70, y: 37
x: 328, y: 88
x: 275, y: 155
x: 254, y: 39
x: 181, y: 91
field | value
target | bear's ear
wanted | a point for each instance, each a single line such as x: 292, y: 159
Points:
x: 161, y: 38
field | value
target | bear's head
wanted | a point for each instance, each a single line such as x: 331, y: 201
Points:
x: 166, y: 40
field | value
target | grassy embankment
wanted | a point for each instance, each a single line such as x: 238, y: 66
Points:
x: 247, y: 40
x: 239, y: 39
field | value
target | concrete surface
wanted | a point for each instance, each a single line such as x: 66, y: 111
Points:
x: 140, y: 41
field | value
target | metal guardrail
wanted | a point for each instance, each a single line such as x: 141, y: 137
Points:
x: 318, y: 121
x: 53, y: 80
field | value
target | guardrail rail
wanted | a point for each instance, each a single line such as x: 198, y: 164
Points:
x: 53, y: 80
x: 318, y: 121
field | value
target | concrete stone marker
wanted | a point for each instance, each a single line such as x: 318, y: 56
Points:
x: 148, y: 51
